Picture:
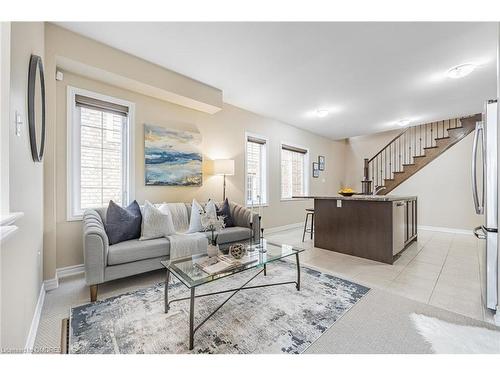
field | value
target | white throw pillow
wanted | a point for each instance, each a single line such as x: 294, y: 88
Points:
x: 156, y: 222
x: 211, y: 209
x: 195, y: 220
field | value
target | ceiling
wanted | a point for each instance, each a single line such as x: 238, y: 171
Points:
x: 368, y: 75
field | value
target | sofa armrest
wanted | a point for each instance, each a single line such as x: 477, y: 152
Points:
x: 95, y: 247
x: 241, y: 217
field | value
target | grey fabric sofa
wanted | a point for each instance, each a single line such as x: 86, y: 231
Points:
x: 104, y: 262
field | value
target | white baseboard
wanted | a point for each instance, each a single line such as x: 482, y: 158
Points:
x: 46, y: 286
x: 283, y: 227
x: 444, y: 229
x: 69, y: 271
x: 62, y: 273
x: 51, y: 284
x: 30, y: 340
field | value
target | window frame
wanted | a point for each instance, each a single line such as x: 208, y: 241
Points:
x: 73, y: 144
x: 265, y: 165
x: 306, y: 169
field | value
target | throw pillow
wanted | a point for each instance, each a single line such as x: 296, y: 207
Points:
x: 195, y: 220
x: 156, y: 222
x: 123, y: 224
x: 211, y: 209
x: 226, y: 213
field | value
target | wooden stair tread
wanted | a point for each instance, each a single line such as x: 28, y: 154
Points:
x: 438, y: 138
x: 430, y: 147
x: 406, y: 165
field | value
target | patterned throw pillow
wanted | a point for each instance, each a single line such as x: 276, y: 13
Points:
x: 195, y: 220
x: 211, y: 208
x: 123, y: 224
x: 226, y: 212
x: 156, y: 222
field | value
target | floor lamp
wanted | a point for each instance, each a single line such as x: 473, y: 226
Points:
x: 224, y: 167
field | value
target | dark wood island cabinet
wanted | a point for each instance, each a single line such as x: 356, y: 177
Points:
x: 372, y: 227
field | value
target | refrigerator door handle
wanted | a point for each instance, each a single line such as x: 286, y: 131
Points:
x: 478, y: 207
x: 481, y: 235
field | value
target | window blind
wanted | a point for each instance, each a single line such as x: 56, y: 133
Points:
x: 294, y: 149
x: 256, y: 140
x: 100, y: 105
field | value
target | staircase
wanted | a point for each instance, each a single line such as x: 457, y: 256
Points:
x: 413, y: 149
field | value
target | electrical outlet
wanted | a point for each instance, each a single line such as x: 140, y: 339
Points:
x: 339, y: 203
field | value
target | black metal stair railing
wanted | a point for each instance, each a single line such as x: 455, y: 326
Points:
x: 402, y: 150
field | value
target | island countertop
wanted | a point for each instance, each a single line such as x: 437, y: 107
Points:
x: 359, y: 197
x: 376, y: 227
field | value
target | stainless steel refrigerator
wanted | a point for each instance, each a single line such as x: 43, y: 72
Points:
x: 485, y: 195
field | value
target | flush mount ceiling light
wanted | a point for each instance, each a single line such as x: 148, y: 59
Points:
x: 322, y: 112
x: 460, y: 71
x: 403, y: 123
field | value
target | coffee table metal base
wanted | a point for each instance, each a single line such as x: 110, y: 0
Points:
x: 193, y: 296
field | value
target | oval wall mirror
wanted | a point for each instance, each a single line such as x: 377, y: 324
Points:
x: 36, y: 107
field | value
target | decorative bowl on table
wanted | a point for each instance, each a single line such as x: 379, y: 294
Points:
x: 237, y: 251
x: 347, y: 192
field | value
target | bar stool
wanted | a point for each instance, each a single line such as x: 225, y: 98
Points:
x: 309, y: 212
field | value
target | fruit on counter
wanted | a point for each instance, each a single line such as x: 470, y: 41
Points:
x: 346, y: 191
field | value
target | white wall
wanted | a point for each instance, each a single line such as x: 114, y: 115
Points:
x: 4, y: 115
x: 21, y: 275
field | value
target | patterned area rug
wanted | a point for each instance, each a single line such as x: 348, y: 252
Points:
x: 277, y: 319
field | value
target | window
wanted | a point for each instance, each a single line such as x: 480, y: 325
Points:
x: 256, y: 170
x: 99, y: 152
x: 293, y: 171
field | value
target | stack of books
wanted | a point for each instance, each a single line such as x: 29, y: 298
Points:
x: 224, y: 263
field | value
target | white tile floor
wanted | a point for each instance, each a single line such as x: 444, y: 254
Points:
x: 440, y: 269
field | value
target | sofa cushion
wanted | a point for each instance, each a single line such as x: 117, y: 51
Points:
x: 225, y: 212
x: 123, y: 224
x: 134, y: 250
x: 195, y: 220
x: 156, y: 222
x: 231, y: 234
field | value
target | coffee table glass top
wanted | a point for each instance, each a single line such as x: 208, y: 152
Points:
x: 189, y: 272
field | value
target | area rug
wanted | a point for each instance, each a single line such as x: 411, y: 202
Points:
x: 277, y: 319
x: 450, y: 338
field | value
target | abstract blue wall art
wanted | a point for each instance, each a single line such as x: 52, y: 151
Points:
x: 173, y: 157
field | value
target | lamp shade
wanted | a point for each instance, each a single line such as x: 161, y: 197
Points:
x: 224, y: 167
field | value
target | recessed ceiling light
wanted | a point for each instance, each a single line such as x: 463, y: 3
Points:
x: 322, y: 112
x: 403, y: 123
x: 460, y: 71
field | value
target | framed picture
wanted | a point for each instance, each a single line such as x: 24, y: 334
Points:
x: 172, y: 157
x: 315, y: 170
x: 321, y: 162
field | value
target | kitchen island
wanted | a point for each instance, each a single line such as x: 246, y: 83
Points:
x: 376, y: 227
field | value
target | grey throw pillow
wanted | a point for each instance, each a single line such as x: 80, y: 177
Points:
x: 225, y: 211
x: 123, y: 224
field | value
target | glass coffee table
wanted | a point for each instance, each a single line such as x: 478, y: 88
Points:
x: 191, y: 274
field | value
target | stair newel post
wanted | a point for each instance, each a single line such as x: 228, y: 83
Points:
x: 365, y: 170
